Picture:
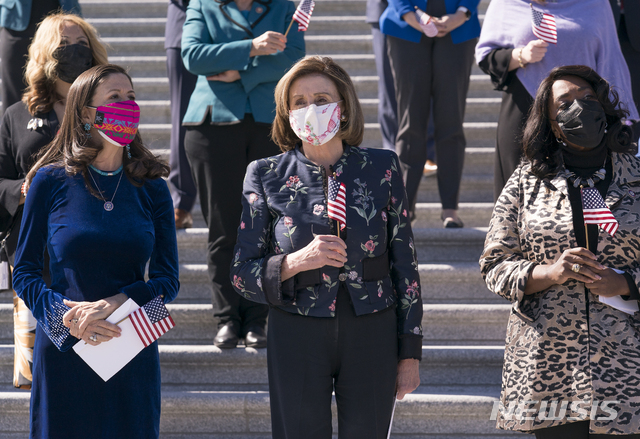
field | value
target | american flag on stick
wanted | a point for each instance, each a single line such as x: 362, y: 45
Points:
x: 303, y: 14
x: 544, y: 26
x: 151, y: 321
x: 596, y: 212
x: 337, y: 201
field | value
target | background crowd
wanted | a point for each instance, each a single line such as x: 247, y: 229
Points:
x: 224, y: 61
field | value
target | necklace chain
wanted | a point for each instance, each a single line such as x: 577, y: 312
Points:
x: 585, y: 181
x: 108, y: 205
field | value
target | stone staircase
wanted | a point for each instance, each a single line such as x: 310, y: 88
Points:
x: 209, y: 393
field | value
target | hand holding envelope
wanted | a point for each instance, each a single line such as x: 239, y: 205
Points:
x: 140, y: 327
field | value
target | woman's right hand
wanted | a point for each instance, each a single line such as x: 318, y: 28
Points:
x: 545, y: 276
x: 268, y: 43
x: 323, y: 250
x: 534, y: 51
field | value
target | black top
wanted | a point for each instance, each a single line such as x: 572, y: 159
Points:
x: 18, y: 147
x: 585, y: 166
x: 516, y: 102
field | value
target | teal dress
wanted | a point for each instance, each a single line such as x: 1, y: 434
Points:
x: 94, y: 254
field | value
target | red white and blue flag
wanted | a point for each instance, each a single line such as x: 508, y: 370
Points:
x: 596, y: 212
x: 151, y: 321
x: 337, y: 201
x: 303, y: 14
x: 544, y: 26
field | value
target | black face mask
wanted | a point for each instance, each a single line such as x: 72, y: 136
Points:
x: 583, y: 123
x: 73, y: 59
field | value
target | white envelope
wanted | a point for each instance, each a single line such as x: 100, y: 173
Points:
x: 617, y: 302
x: 109, y: 357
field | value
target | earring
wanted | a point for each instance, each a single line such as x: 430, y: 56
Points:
x: 561, y: 141
x: 128, y: 151
x: 87, y: 129
x: 605, y: 127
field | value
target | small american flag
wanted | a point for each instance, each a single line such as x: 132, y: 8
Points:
x: 596, y: 212
x: 303, y: 14
x: 151, y: 321
x: 544, y: 26
x: 337, y: 202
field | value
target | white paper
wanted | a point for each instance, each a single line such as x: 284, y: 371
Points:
x: 109, y: 357
x: 617, y: 302
x: 393, y: 412
x: 4, y: 275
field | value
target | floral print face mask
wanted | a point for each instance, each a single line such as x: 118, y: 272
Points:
x: 316, y: 125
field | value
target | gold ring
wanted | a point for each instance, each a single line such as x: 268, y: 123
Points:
x: 75, y: 321
x: 576, y: 268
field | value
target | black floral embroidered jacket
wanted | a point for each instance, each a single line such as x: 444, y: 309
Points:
x: 285, y: 205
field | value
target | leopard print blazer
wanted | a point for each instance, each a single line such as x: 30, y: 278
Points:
x: 563, y: 346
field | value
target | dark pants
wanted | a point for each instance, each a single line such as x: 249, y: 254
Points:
x: 309, y: 357
x: 219, y: 155
x: 576, y: 430
x: 387, y: 105
x: 433, y: 69
x: 14, y: 49
x: 181, y: 85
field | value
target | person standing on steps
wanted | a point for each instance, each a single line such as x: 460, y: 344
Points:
x: 181, y: 85
x: 345, y: 301
x: 518, y: 61
x: 571, y: 360
x: 387, y: 104
x: 239, y: 52
x: 19, y: 19
x: 627, y: 16
x: 96, y: 200
x: 63, y: 47
x: 437, y: 68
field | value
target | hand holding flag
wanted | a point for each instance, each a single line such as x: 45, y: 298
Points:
x: 426, y: 23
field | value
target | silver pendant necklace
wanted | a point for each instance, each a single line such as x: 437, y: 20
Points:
x: 108, y: 205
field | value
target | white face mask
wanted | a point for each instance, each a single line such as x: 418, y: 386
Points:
x: 316, y: 125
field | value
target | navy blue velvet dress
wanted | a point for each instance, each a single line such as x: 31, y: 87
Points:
x: 94, y: 254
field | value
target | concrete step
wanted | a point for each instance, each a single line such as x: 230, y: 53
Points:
x: 434, y: 245
x: 429, y: 413
x: 442, y: 324
x: 478, y: 110
x: 442, y: 283
x: 322, y: 25
x: 207, y: 367
x: 473, y: 187
x: 478, y: 135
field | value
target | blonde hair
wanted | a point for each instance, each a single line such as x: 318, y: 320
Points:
x: 351, y: 128
x: 40, y: 73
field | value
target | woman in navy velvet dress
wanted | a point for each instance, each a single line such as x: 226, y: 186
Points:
x: 102, y: 211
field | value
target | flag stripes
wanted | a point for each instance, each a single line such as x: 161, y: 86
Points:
x: 337, y: 201
x: 596, y: 212
x: 303, y: 14
x: 151, y: 321
x: 544, y: 26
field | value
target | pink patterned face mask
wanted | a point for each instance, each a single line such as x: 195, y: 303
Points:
x: 117, y: 122
x: 316, y: 125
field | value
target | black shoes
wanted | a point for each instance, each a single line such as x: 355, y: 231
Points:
x: 227, y: 336
x: 256, y: 337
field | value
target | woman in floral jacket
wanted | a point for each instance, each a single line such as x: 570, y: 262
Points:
x: 572, y: 355
x: 345, y: 297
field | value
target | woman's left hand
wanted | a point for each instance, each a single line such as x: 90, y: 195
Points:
x: 228, y: 76
x: 82, y: 314
x: 408, y: 378
x: 610, y: 284
x: 449, y: 22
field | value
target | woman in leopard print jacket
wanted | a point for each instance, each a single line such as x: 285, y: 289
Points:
x: 572, y: 362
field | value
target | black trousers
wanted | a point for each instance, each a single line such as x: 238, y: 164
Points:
x: 435, y: 70
x: 181, y: 85
x: 219, y: 155
x: 632, y: 56
x: 14, y: 47
x: 576, y: 430
x: 309, y: 357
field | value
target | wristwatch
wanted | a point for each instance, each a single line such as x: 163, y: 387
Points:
x: 466, y: 11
